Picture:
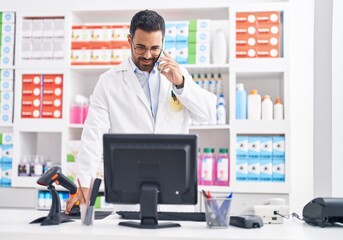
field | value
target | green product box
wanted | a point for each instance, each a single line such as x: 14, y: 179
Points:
x: 193, y: 25
x: 191, y: 48
x: 191, y: 58
x: 192, y: 36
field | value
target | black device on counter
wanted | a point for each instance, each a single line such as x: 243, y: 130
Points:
x: 323, y: 211
x: 54, y: 175
x: 150, y: 169
x: 246, y: 221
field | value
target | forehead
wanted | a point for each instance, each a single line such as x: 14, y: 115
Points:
x: 147, y: 38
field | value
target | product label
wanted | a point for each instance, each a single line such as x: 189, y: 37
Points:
x: 223, y: 169
x: 206, y: 169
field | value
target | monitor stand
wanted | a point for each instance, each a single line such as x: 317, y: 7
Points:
x: 148, y: 210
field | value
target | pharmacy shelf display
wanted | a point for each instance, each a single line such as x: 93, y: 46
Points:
x: 52, y: 45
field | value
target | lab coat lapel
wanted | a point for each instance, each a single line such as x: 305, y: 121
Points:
x: 133, y: 82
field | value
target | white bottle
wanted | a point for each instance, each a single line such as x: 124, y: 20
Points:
x: 219, y: 48
x: 267, y: 108
x: 278, y: 110
x: 254, y: 105
x: 221, y: 114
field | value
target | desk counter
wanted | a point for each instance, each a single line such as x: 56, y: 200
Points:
x: 14, y: 224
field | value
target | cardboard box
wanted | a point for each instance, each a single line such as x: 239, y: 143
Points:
x: 81, y: 34
x: 6, y: 74
x: 246, y: 52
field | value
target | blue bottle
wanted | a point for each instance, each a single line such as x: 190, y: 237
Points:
x: 241, y: 102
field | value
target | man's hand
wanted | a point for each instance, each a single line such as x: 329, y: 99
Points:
x: 170, y: 69
x: 77, y: 197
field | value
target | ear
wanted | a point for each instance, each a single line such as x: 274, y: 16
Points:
x: 129, y: 38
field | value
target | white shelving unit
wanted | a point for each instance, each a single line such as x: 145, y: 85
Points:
x: 268, y: 75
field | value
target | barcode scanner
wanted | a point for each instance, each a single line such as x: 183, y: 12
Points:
x: 55, y: 175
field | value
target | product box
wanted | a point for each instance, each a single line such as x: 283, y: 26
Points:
x: 170, y: 48
x: 118, y: 55
x: 32, y: 79
x: 53, y: 80
x: 7, y: 154
x: 6, y: 85
x: 0, y: 172
x: 26, y: 29
x: 270, y: 17
x: 37, y: 28
x: 182, y: 31
x: 181, y: 52
x: 266, y: 170
x: 6, y: 180
x: 47, y: 48
x: 6, y: 97
x: 199, y: 37
x: 6, y: 117
x: 279, y: 147
x: 268, y: 28
x: 58, y: 48
x: 242, y: 147
x: 36, y: 50
x: 59, y: 27
x: 101, y: 33
x: 81, y: 56
x: 48, y: 28
x: 268, y: 52
x: 120, y: 32
x: 254, y: 147
x: 199, y: 25
x: 6, y: 107
x: 73, y: 147
x: 241, y: 169
x: 7, y: 139
x: 199, y: 58
x: 7, y: 29
x: 81, y: 34
x: 7, y: 39
x: 101, y: 56
x: 199, y: 48
x: 7, y: 17
x: 6, y: 74
x: 170, y: 35
x: 254, y: 158
x: 26, y: 48
x: 244, y: 41
x: 51, y: 112
x: 278, y: 169
x: 246, y: 52
x: 245, y: 18
x: 266, y: 153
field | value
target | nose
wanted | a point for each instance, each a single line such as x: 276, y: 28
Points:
x: 147, y: 54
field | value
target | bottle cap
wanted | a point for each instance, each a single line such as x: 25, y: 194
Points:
x: 223, y: 150
x: 240, y: 86
x: 207, y: 150
x: 265, y: 97
x: 253, y: 91
x: 278, y: 101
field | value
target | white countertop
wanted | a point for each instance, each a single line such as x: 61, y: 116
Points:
x: 14, y: 224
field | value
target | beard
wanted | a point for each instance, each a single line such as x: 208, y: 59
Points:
x: 144, y: 64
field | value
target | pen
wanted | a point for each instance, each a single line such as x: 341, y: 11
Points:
x: 82, y: 193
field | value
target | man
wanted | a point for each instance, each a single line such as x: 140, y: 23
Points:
x: 148, y: 93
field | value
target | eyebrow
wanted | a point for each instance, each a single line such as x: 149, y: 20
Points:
x: 141, y: 45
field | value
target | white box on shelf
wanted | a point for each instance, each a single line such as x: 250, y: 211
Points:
x: 6, y: 74
x: 47, y: 48
x: 26, y: 48
x: 37, y: 28
x: 6, y: 85
x: 7, y: 17
x: 59, y: 27
x: 58, y: 48
x: 26, y: 29
x: 48, y: 28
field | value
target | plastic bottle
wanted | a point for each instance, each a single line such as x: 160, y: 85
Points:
x: 24, y: 167
x: 199, y: 167
x: 79, y: 110
x: 267, y: 108
x: 36, y: 167
x: 221, y: 99
x: 221, y: 114
x: 219, y: 85
x: 212, y: 84
x: 207, y: 167
x: 278, y: 110
x: 254, y: 105
x: 223, y: 168
x: 241, y: 102
x: 219, y: 48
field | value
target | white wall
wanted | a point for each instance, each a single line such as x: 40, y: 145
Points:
x: 337, y: 98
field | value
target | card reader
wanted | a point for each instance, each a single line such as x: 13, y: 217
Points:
x: 246, y: 221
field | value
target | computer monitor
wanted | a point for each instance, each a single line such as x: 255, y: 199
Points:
x: 150, y: 169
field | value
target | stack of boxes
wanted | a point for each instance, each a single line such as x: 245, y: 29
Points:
x: 42, y: 95
x: 199, y: 48
x: 7, y: 29
x: 258, y: 34
x: 6, y: 93
x: 260, y: 158
x: 99, y: 45
x: 42, y: 38
x: 6, y: 159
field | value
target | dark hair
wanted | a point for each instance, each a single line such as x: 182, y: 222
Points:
x: 147, y: 20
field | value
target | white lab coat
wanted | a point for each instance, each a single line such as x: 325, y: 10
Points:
x: 119, y: 105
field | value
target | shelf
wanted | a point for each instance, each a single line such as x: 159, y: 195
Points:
x: 260, y: 65
x: 40, y: 125
x: 260, y: 126
x: 208, y: 127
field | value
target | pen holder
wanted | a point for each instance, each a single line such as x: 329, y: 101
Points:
x: 217, y: 212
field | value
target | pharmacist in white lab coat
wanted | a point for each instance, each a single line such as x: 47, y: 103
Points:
x: 147, y: 93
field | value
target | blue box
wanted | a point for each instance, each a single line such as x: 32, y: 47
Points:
x: 6, y: 180
x: 242, y: 147
x: 279, y: 147
x: 242, y: 169
x: 278, y: 170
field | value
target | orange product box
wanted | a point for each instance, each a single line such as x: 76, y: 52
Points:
x: 245, y: 18
x: 245, y: 40
x: 118, y: 55
x: 30, y: 112
x: 81, y: 56
x: 245, y: 52
x: 31, y: 79
x: 269, y: 28
x: 55, y: 91
x: 101, y: 56
x: 120, y: 45
x: 30, y: 100
x: 120, y: 32
x: 269, y: 17
x: 53, y: 79
x: 31, y: 90
x: 246, y: 31
x: 81, y: 34
x: 268, y: 39
x: 51, y: 112
x: 51, y: 100
x: 102, y: 33
x: 268, y: 51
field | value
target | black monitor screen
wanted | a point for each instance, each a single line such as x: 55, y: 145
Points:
x: 150, y: 169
